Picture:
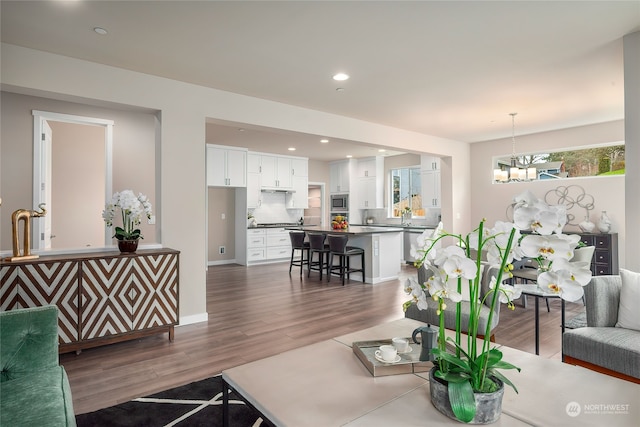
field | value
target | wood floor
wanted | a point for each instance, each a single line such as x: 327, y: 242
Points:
x: 257, y: 312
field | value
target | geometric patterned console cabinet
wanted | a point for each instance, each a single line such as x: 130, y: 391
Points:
x: 102, y: 297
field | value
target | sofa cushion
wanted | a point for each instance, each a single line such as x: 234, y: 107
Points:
x: 430, y: 315
x: 617, y: 349
x: 42, y: 398
x: 628, y: 313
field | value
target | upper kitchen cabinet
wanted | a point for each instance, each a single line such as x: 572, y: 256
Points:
x: 276, y: 172
x: 370, y: 172
x: 429, y: 163
x: 226, y: 166
x: 340, y: 176
x: 370, y: 166
x: 430, y: 174
x: 299, y: 199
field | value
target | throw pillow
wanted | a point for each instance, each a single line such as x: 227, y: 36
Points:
x: 628, y: 313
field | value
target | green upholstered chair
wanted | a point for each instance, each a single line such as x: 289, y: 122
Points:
x: 34, y: 388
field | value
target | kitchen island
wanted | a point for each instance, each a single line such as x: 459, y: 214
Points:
x: 382, y: 249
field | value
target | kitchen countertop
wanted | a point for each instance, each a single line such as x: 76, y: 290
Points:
x: 353, y: 229
x: 404, y: 227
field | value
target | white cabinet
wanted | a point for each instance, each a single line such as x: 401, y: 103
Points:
x: 429, y: 163
x: 370, y: 166
x: 300, y: 167
x: 226, y: 166
x: 370, y: 193
x: 254, y: 190
x: 339, y: 176
x: 253, y: 162
x: 370, y: 173
x: 278, y: 243
x: 299, y: 199
x: 430, y: 174
x: 276, y: 172
x: 256, y: 244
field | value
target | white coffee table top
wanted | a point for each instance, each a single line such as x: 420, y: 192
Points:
x: 325, y: 384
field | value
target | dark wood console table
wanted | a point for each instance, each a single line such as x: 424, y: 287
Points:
x: 102, y: 297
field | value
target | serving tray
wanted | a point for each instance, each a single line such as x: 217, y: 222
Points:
x: 409, y: 362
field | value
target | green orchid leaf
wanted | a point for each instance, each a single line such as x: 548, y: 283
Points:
x: 448, y: 357
x: 452, y: 377
x: 462, y: 400
x: 504, y: 365
x: 498, y: 375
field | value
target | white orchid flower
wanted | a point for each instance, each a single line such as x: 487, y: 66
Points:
x: 415, y: 291
x: 507, y: 292
x: 460, y: 266
x: 578, y: 271
x: 561, y: 283
x: 546, y: 247
x: 448, y: 289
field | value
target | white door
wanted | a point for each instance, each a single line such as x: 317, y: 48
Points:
x: 45, y: 186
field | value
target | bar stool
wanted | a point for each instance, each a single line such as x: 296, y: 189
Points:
x: 298, y: 244
x: 338, y: 248
x: 317, y: 246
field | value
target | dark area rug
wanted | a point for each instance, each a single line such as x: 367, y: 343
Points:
x: 195, y: 404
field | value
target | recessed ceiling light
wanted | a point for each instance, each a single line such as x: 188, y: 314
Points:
x: 382, y: 150
x: 339, y: 89
x: 324, y: 141
x: 100, y: 30
x: 291, y: 148
x: 240, y: 129
x: 341, y: 77
x: 349, y: 156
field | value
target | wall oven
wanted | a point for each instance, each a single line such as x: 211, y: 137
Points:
x: 339, y: 202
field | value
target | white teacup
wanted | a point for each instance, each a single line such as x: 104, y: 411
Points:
x: 388, y: 353
x: 401, y: 344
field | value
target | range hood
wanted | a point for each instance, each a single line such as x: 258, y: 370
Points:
x: 277, y: 190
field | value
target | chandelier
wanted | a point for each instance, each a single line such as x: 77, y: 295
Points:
x: 514, y: 173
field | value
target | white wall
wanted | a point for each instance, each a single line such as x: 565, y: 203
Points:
x: 490, y: 200
x: 180, y: 163
x: 632, y: 135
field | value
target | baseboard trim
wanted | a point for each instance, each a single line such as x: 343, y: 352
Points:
x: 222, y: 262
x: 194, y: 318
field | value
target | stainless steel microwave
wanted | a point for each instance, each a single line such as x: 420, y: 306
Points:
x: 339, y: 202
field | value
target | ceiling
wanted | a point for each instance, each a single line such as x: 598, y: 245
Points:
x: 451, y: 69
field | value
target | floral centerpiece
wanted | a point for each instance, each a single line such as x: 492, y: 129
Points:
x: 132, y: 209
x: 473, y: 366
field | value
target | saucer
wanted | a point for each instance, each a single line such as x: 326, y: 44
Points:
x: 380, y: 359
x: 409, y: 350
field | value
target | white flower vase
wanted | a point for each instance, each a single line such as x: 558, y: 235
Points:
x: 587, y: 226
x: 604, y: 225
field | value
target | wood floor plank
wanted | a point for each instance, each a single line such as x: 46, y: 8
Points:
x: 258, y: 312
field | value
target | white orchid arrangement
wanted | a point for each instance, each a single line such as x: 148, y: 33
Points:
x: 132, y: 209
x: 457, y: 277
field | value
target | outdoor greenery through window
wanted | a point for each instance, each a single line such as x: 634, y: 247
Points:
x: 600, y: 161
x: 406, y: 193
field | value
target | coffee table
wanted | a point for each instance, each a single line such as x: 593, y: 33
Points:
x: 325, y: 384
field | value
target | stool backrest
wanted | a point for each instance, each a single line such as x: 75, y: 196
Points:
x: 337, y: 243
x: 316, y: 241
x: 297, y: 238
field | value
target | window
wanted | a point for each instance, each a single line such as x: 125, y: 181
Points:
x: 601, y: 160
x: 406, y: 192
